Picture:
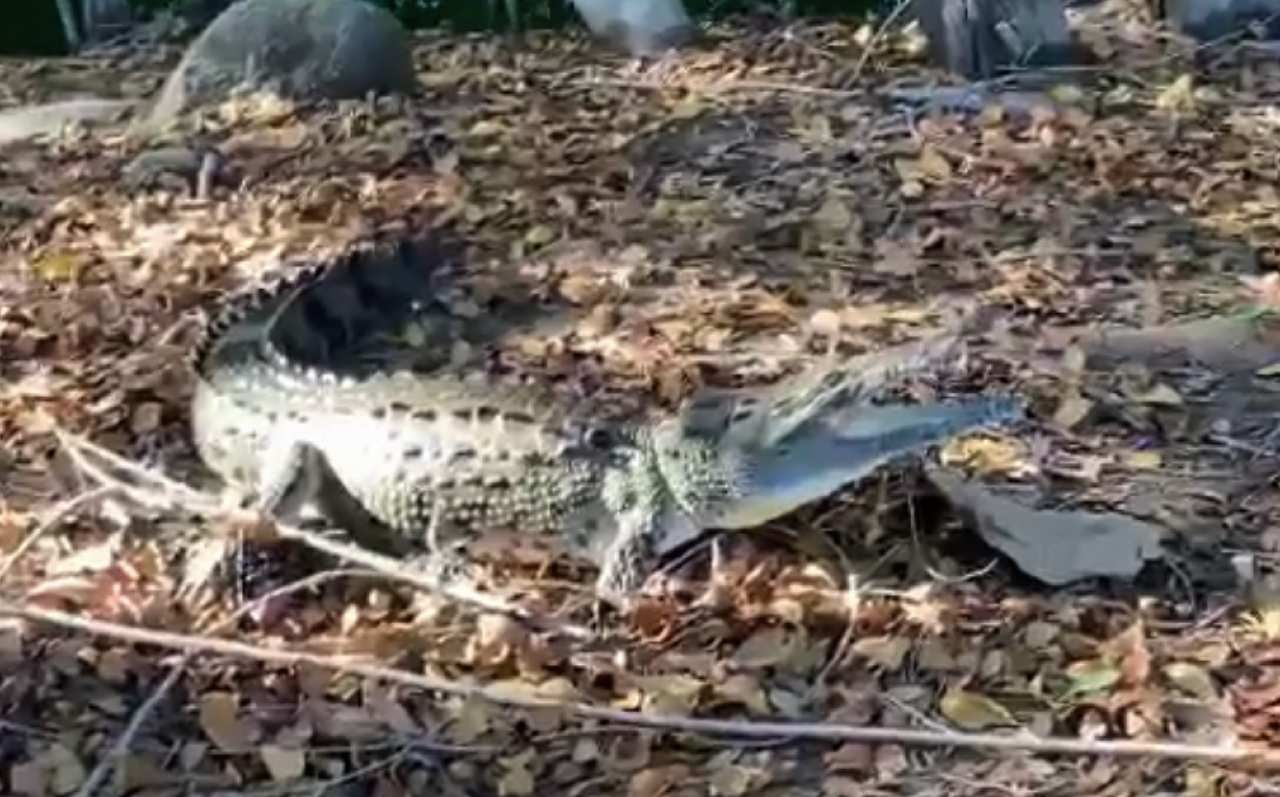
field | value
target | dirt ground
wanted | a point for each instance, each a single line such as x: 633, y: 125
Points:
x: 723, y: 216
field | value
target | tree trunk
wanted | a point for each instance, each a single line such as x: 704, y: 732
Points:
x: 980, y: 38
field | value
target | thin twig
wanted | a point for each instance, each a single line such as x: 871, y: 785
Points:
x: 172, y: 493
x: 742, y: 729
x: 55, y: 516
x: 163, y: 492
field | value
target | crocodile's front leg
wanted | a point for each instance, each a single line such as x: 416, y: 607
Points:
x: 626, y: 564
x: 644, y: 534
x: 290, y: 474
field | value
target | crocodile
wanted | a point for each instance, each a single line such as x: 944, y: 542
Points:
x: 437, y: 457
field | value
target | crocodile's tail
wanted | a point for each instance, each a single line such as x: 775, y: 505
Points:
x: 373, y: 289
x: 300, y: 319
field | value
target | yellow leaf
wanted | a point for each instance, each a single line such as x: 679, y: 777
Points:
x: 974, y: 712
x: 1143, y: 460
x: 908, y: 170
x: 485, y: 128
x: 1160, y: 395
x: 539, y: 235
x: 1178, y: 96
x: 688, y: 107
x: 59, y: 266
x: 670, y: 694
x: 1092, y: 675
x: 934, y: 165
x: 1192, y: 679
x: 517, y: 780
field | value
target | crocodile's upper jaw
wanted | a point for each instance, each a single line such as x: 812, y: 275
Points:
x: 742, y: 479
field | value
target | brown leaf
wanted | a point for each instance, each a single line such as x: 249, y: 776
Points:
x: 765, y: 648
x: 1129, y: 650
x: 220, y: 719
x: 887, y: 652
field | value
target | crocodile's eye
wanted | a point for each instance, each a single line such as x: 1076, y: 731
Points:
x: 599, y: 438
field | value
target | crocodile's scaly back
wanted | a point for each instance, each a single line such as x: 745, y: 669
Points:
x: 281, y: 411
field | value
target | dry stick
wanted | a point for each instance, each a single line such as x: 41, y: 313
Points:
x: 724, y: 86
x: 391, y: 568
x: 175, y: 493
x: 806, y: 730
x: 121, y: 746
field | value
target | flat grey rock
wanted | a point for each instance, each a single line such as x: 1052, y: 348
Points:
x: 31, y: 121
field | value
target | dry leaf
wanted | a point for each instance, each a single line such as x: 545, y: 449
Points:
x: 765, y: 648
x: 731, y: 781
x: 887, y: 652
x: 1160, y: 395
x: 825, y: 322
x: 1089, y: 677
x: 220, y: 719
x: 286, y: 764
x: 745, y: 689
x: 895, y: 259
x: 1192, y: 679
x: 933, y: 165
x: 1071, y: 411
x: 1179, y: 96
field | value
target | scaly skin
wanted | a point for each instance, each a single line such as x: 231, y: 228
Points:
x: 434, y: 458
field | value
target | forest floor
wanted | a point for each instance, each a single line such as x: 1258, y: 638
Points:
x: 721, y: 216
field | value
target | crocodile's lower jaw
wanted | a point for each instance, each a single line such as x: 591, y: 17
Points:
x: 750, y: 513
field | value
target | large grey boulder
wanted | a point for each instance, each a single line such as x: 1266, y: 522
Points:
x: 641, y: 27
x: 303, y: 49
